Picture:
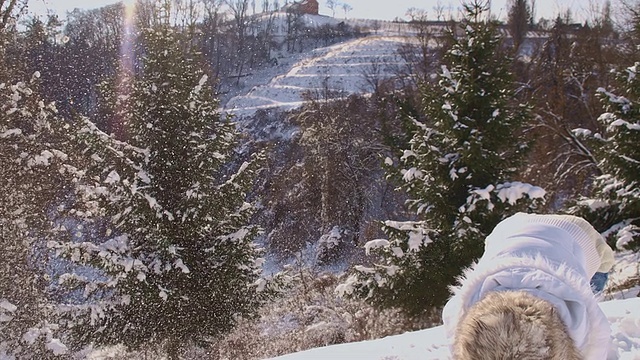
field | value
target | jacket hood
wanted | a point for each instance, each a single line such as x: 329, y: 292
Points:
x: 562, y: 286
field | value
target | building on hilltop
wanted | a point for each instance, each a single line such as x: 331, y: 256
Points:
x: 310, y: 7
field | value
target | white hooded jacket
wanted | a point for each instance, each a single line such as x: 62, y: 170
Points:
x: 552, y: 257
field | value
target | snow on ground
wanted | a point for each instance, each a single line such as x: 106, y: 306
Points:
x: 341, y: 68
x: 417, y: 345
x: 285, y: 59
x: 623, y: 313
x: 627, y: 269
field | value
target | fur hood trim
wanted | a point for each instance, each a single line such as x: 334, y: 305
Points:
x: 592, y: 337
x: 513, y: 325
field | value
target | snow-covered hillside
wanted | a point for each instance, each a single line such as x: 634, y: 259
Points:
x: 623, y: 314
x: 345, y: 68
x: 349, y: 68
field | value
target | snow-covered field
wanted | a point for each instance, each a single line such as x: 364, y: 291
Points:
x: 623, y: 313
x: 345, y: 68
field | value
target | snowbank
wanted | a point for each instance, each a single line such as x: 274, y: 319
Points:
x: 624, y: 316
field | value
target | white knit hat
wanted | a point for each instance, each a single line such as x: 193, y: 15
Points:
x: 598, y: 255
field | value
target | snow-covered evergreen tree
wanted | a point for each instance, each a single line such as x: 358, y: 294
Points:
x: 458, y: 173
x: 178, y: 264
x: 614, y: 206
x: 34, y: 173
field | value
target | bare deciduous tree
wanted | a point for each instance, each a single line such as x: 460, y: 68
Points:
x: 239, y: 11
x: 187, y: 15
x: 332, y: 5
x: 439, y: 10
x: 532, y: 8
x: 346, y: 8
x: 9, y: 9
x: 416, y: 14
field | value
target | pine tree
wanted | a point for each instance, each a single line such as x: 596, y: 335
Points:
x: 614, y: 205
x: 519, y: 19
x: 456, y: 172
x: 179, y: 265
x: 35, y: 173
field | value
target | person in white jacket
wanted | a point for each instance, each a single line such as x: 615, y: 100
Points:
x: 528, y: 296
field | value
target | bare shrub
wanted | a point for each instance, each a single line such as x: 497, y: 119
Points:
x: 312, y: 315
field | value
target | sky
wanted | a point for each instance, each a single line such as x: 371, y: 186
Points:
x: 369, y: 9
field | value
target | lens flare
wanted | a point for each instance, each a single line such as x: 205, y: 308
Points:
x: 128, y: 34
x: 126, y: 69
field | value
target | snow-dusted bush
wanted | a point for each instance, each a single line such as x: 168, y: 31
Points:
x: 312, y: 314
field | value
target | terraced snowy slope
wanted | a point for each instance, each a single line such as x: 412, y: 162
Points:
x: 340, y: 68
